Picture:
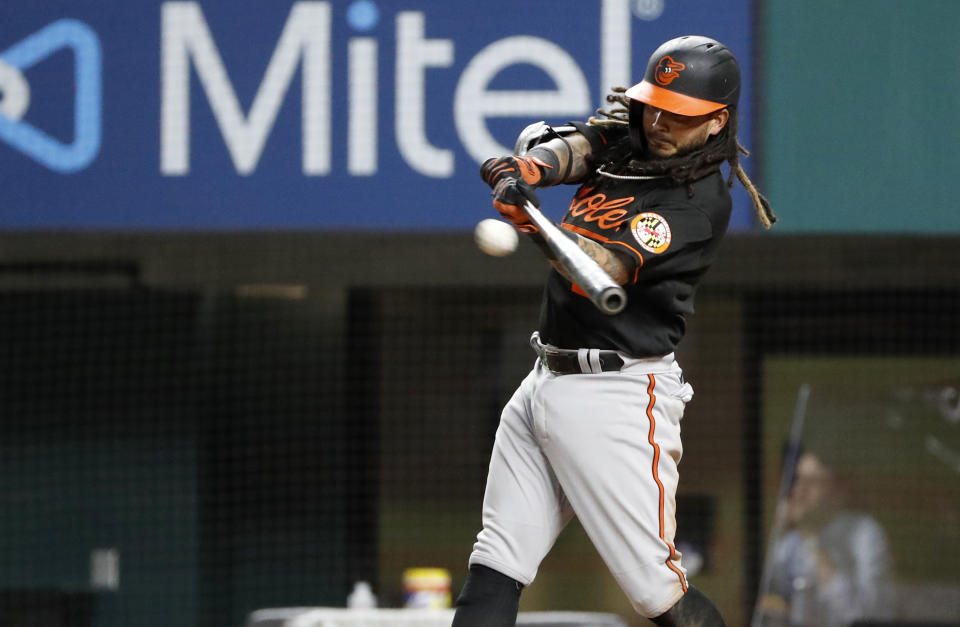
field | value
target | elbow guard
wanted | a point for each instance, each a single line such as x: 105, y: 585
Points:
x: 537, y: 133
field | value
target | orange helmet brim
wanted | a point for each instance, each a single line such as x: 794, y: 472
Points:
x: 671, y: 101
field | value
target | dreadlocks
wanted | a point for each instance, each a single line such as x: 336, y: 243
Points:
x: 619, y: 159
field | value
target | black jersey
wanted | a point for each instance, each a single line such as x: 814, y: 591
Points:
x: 671, y: 235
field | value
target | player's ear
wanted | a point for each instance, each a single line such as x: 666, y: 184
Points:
x: 719, y: 121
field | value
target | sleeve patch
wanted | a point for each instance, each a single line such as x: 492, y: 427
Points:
x: 651, y: 231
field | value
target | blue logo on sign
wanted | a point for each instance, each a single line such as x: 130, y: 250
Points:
x: 87, y: 105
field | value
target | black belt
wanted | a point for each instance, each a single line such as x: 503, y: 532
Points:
x: 587, y: 361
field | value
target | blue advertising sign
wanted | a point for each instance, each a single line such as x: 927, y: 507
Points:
x: 342, y: 114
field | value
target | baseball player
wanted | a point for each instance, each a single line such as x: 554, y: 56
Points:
x: 594, y: 430
x: 832, y: 566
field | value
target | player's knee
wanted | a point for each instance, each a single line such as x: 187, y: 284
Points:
x: 693, y: 609
x: 488, y: 599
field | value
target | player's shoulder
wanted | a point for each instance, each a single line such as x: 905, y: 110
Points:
x: 700, y: 215
x: 601, y: 136
x: 709, y: 195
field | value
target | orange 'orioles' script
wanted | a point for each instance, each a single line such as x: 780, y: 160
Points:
x: 608, y: 214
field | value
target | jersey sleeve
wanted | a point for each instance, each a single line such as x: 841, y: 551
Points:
x: 600, y: 137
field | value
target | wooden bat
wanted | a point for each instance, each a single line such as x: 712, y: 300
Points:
x: 602, y: 290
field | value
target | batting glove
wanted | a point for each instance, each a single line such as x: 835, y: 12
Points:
x: 528, y: 168
x: 509, y: 196
x: 512, y: 178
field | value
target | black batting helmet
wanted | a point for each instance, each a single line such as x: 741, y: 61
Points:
x: 690, y: 75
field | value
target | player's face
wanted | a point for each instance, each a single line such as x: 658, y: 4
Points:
x: 813, y: 482
x: 669, y: 134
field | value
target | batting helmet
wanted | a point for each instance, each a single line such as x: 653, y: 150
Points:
x: 690, y: 75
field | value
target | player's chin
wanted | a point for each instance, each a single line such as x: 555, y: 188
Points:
x: 661, y: 149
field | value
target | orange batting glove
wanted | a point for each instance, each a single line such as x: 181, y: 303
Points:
x: 512, y: 179
x: 525, y: 167
x: 509, y: 196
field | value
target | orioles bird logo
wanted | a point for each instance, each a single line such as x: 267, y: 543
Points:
x: 668, y: 70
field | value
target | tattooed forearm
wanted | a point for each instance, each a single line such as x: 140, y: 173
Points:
x: 615, y: 265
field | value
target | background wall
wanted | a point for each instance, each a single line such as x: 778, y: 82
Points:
x: 858, y: 108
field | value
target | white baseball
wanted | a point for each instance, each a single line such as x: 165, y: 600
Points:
x: 495, y: 237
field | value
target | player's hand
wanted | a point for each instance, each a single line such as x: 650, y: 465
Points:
x: 527, y: 168
x: 509, y: 196
x: 513, y: 178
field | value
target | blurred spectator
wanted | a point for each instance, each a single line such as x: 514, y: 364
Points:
x: 829, y: 566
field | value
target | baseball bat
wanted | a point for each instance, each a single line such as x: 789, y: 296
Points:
x: 603, y: 291
x: 787, y: 474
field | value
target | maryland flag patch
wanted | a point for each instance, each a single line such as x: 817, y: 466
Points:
x: 651, y: 231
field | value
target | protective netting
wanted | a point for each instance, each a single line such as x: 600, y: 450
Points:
x: 864, y: 499
x: 187, y: 456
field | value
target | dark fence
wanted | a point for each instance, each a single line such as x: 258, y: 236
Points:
x: 193, y: 427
